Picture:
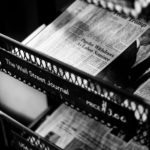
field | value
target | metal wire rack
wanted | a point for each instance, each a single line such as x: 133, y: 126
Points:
x: 118, y: 109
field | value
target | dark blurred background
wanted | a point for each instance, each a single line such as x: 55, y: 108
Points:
x: 18, y: 18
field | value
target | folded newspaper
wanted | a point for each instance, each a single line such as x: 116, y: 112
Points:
x: 94, y: 40
x: 72, y: 130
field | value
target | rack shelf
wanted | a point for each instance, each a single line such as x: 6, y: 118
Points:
x: 97, y: 99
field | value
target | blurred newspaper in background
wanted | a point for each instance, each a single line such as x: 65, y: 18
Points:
x: 72, y: 130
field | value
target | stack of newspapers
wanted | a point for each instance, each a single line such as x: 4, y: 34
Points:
x: 103, y: 44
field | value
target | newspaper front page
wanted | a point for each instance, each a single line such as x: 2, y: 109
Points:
x: 93, y: 39
x: 144, y: 90
x: 71, y: 130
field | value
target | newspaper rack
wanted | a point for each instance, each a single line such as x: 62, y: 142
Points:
x: 110, y: 105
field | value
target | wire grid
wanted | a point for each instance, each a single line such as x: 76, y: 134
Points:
x: 132, y: 8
